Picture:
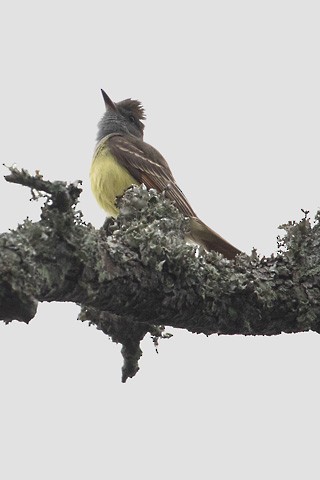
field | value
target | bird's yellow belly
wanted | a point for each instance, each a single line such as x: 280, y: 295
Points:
x: 108, y: 179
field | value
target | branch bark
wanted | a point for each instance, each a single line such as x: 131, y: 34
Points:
x: 137, y: 274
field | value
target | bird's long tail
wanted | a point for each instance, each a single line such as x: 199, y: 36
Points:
x: 210, y: 240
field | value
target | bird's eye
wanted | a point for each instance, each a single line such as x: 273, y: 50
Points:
x: 132, y: 119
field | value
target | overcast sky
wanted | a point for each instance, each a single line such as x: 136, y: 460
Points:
x: 231, y: 92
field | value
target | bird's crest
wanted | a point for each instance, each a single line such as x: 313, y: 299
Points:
x: 133, y: 106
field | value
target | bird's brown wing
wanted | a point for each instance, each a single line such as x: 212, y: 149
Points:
x: 148, y: 166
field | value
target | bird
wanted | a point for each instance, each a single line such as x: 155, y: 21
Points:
x: 122, y: 158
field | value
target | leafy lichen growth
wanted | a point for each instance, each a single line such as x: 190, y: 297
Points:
x: 137, y: 273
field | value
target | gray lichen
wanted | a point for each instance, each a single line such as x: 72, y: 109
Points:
x: 137, y: 273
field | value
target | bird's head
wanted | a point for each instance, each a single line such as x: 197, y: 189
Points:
x: 122, y: 117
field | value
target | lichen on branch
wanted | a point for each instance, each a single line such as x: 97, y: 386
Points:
x: 137, y: 273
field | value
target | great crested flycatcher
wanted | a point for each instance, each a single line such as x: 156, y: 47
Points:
x: 122, y: 159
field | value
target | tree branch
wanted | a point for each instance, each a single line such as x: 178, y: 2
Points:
x: 137, y: 274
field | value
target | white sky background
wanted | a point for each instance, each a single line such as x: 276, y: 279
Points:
x: 231, y: 91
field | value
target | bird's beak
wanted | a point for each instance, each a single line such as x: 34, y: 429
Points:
x: 107, y: 101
